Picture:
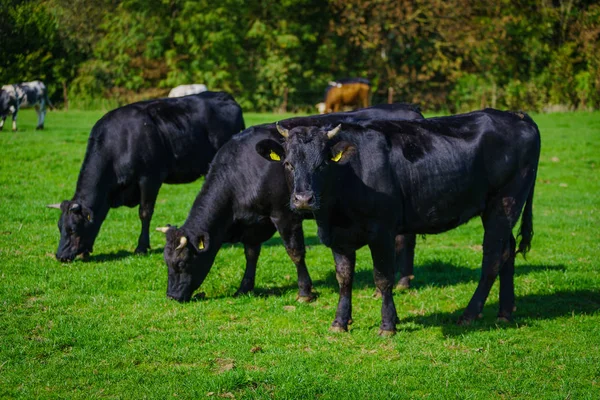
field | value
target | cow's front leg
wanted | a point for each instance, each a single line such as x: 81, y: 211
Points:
x: 252, y: 252
x: 383, y: 255
x: 148, y: 193
x: 344, y: 272
x: 292, y: 235
x: 2, y: 122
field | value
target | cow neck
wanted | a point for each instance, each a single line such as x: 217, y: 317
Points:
x: 93, y: 187
x: 211, y: 211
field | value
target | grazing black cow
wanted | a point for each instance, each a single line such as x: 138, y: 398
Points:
x: 245, y: 199
x: 132, y: 151
x: 27, y: 94
x: 366, y: 183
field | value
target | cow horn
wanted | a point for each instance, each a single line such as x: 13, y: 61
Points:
x: 162, y: 229
x: 57, y: 205
x: 182, y: 243
x: 284, y: 132
x: 334, y: 131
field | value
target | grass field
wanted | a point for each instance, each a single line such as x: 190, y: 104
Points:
x: 105, y: 329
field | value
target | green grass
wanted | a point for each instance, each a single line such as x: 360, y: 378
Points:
x: 105, y: 329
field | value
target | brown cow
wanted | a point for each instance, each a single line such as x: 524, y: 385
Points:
x: 352, y: 92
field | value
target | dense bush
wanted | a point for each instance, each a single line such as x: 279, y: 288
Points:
x: 456, y: 55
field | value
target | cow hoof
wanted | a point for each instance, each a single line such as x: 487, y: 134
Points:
x: 242, y: 293
x: 306, y: 299
x: 404, y: 282
x: 386, y: 333
x: 503, y: 320
x: 39, y: 128
x: 377, y: 294
x: 141, y: 250
x: 199, y: 296
x: 338, y: 329
x: 464, y: 320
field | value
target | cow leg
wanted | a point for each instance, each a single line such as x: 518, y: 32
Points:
x: 14, y: 121
x: 148, y: 193
x: 2, y: 122
x: 290, y: 230
x: 383, y: 255
x: 251, y: 251
x: 41, y: 112
x: 405, y: 259
x: 507, y: 283
x: 494, y: 241
x: 344, y: 272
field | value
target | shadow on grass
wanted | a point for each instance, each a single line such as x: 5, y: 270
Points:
x: 119, y: 255
x: 530, y: 308
x: 438, y: 274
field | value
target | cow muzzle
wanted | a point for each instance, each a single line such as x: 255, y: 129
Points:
x: 303, y: 201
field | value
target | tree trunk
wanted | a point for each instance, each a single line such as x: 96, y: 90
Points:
x: 65, y: 96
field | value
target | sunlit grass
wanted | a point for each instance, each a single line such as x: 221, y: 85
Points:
x: 105, y: 328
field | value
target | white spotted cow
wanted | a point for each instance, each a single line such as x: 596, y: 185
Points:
x: 28, y: 94
x: 185, y: 90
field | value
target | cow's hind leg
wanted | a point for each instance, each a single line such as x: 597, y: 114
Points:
x: 344, y: 272
x: 251, y: 252
x: 405, y: 259
x: 41, y: 113
x: 507, y: 284
x: 148, y: 193
x: 382, y: 252
x: 495, y: 240
x: 292, y: 235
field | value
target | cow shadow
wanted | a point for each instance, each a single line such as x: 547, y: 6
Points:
x: 437, y: 274
x: 530, y: 308
x: 119, y: 255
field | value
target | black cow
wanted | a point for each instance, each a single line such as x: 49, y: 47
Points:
x: 364, y: 184
x: 26, y: 94
x: 132, y: 151
x: 245, y: 199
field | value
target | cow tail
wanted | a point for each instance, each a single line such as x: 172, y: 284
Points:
x: 526, y: 228
x: 47, y: 100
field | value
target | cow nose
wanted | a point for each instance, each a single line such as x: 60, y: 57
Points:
x: 303, y: 200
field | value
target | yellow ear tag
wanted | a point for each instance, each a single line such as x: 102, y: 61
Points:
x: 337, y: 157
x: 274, y: 156
x: 201, y: 244
x: 89, y: 217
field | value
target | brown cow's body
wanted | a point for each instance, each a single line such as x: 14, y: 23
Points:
x: 352, y: 92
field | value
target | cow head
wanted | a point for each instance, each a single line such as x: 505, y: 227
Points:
x: 189, y: 259
x: 308, y: 154
x: 77, y: 230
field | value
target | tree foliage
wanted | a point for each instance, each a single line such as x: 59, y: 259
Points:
x: 443, y: 54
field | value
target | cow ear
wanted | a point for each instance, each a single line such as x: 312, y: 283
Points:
x: 270, y: 150
x: 342, y: 152
x: 201, y: 243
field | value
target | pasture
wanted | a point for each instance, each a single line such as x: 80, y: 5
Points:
x: 105, y: 329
